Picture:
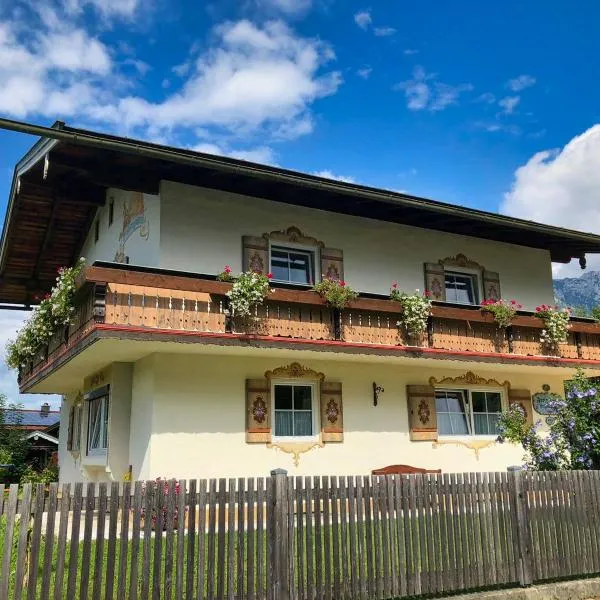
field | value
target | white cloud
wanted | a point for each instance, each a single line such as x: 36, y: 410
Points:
x: 261, y: 154
x: 289, y: 7
x: 254, y: 77
x: 384, y: 31
x: 75, y: 51
x: 107, y: 8
x: 561, y: 187
x: 486, y: 98
x: 327, y: 174
x: 423, y: 91
x: 520, y: 83
x: 410, y: 51
x: 363, y: 19
x: 497, y: 126
x: 365, y: 72
x: 508, y: 104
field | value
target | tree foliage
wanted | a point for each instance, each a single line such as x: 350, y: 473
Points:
x: 13, y: 442
x: 573, y: 441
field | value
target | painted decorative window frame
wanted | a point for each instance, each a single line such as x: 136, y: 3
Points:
x: 314, y: 250
x: 77, y: 427
x: 315, y: 405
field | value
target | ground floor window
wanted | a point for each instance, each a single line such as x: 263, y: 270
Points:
x: 98, y: 404
x: 468, y: 412
x: 294, y: 413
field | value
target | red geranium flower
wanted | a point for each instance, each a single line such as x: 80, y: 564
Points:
x: 394, y: 285
x: 343, y: 283
x: 270, y: 275
x: 227, y: 269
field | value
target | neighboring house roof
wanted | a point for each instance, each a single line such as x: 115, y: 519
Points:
x: 61, y: 181
x: 34, y: 435
x: 31, y: 419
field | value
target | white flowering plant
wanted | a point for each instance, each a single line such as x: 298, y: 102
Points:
x: 556, y: 325
x: 416, y: 309
x: 55, y: 310
x: 248, y: 291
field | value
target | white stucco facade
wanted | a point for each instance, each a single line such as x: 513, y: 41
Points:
x: 202, y: 229
x: 188, y: 420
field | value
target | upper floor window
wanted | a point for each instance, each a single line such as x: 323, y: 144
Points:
x: 98, y: 403
x: 468, y: 412
x: 462, y: 288
x: 293, y: 265
x: 294, y: 410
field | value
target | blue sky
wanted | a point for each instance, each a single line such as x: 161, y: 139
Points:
x: 492, y: 105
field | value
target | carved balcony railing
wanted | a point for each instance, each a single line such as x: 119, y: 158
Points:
x: 142, y: 301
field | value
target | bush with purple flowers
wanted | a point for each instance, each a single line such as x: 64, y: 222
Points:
x: 573, y: 441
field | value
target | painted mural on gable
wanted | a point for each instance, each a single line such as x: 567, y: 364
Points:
x: 134, y: 220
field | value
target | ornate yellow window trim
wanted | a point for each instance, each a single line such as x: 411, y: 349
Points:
x: 294, y: 371
x: 469, y: 378
x: 293, y: 235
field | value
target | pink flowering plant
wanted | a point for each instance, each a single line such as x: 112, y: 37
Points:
x: 556, y: 325
x: 249, y: 290
x: 54, y: 311
x: 573, y: 441
x: 416, y: 309
x: 225, y: 275
x: 503, y: 311
x: 336, y: 293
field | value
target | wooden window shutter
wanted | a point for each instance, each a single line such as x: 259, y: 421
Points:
x: 332, y: 412
x: 522, y: 398
x: 332, y: 264
x: 491, y: 286
x: 258, y: 411
x: 422, y: 415
x: 70, y: 429
x: 255, y: 254
x: 435, y: 281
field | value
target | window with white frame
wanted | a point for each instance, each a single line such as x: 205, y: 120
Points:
x: 293, y: 265
x: 98, y: 405
x: 468, y: 412
x: 76, y: 429
x: 462, y: 288
x: 293, y: 405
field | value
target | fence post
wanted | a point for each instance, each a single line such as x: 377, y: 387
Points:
x: 278, y: 542
x: 520, y: 504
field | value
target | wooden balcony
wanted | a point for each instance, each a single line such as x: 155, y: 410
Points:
x: 138, y: 302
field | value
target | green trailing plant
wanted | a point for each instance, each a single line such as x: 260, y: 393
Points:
x: 248, y: 291
x: 416, y: 309
x: 573, y: 441
x: 503, y: 312
x: 336, y: 293
x: 55, y: 310
x: 556, y: 325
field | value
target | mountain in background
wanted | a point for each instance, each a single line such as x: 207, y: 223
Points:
x: 579, y: 292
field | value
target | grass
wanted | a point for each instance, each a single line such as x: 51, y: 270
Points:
x: 431, y: 546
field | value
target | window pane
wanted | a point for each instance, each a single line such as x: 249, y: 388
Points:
x: 494, y: 403
x: 480, y: 421
x: 455, y: 402
x: 105, y: 424
x: 284, y: 423
x: 478, y: 399
x: 283, y: 397
x: 94, y: 424
x: 460, y: 288
x: 303, y: 423
x: 441, y: 404
x: 300, y: 268
x: 302, y: 397
x: 444, y: 425
x: 280, y: 265
x: 493, y: 423
x: 459, y: 424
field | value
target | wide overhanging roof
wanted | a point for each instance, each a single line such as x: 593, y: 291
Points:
x: 59, y: 184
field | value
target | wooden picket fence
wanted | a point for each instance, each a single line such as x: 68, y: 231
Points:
x: 298, y: 538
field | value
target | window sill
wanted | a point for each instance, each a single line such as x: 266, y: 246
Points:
x: 95, y: 458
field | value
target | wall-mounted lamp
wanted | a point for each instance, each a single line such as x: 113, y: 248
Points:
x: 582, y: 262
x: 377, y: 389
